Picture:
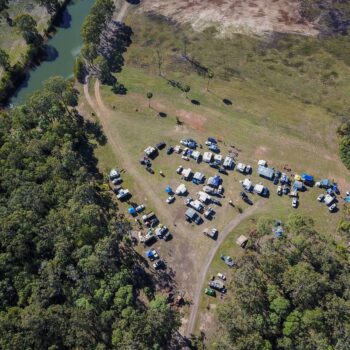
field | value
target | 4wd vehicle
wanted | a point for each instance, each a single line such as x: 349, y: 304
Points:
x: 161, y: 230
x: 170, y: 150
x: 179, y: 169
x: 279, y: 191
x: 227, y: 260
x: 295, y: 202
x: 139, y: 208
x: 221, y: 276
x: 159, y: 264
x: 209, y: 213
x: 170, y: 199
x: 216, y: 201
x: 168, y: 236
x: 285, y: 189
x: 275, y: 181
x: 161, y: 145
x: 333, y: 207
x: 218, y: 285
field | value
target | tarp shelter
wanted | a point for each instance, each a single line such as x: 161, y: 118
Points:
x: 168, y: 190
x: 242, y: 241
x: 328, y: 199
x: 262, y: 162
x: 203, y: 197
x: 228, y: 162
x: 308, y: 179
x: 181, y: 190
x: 186, y: 173
x: 347, y: 199
x: 207, y: 157
x: 196, y: 155
x: 198, y: 177
x: 247, y: 184
x: 325, y: 183
x: 190, y: 213
x: 268, y: 173
x: 132, y: 211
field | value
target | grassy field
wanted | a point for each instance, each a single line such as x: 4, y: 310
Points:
x: 286, y: 107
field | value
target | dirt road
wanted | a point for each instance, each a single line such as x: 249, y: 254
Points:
x: 201, y: 278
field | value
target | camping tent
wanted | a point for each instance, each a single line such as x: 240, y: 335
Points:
x: 132, y: 211
x: 168, y: 190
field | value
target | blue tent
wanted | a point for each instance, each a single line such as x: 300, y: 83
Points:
x: 150, y: 254
x: 168, y: 190
x: 132, y: 211
x: 307, y: 178
x: 347, y: 199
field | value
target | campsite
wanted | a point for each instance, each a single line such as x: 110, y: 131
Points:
x: 247, y: 128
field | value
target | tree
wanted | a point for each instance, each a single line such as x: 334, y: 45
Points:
x: 210, y: 77
x: 149, y: 95
x: 102, y: 70
x: 4, y: 60
x: 51, y: 5
x: 3, y: 5
x: 80, y: 70
x: 186, y: 89
x: 27, y: 27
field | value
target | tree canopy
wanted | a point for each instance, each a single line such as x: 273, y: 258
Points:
x: 293, y: 295
x: 67, y: 280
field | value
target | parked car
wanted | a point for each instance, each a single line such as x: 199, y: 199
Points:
x: 209, y: 212
x: 152, y: 255
x: 321, y: 197
x: 159, y: 264
x: 220, y: 190
x: 279, y: 191
x: 161, y: 145
x: 168, y: 236
x: 222, y: 170
x: 140, y: 208
x: 222, y: 276
x: 170, y: 199
x: 333, y: 207
x: 179, y: 169
x: 170, y: 150
x: 185, y: 158
x: 295, y: 202
x: 227, y: 260
x: 275, y: 181
x: 161, y: 230
x: 285, y: 189
x: 216, y: 201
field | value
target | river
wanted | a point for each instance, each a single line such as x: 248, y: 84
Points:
x: 63, y: 47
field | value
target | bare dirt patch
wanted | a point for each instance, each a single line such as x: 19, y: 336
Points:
x: 191, y: 119
x: 235, y: 16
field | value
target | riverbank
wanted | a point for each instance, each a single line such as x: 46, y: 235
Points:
x: 25, y: 57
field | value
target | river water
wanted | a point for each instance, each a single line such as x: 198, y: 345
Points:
x: 63, y: 47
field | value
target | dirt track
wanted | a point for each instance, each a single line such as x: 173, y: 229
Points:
x: 201, y: 278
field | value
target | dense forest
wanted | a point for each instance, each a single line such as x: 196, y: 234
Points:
x: 68, y: 278
x: 291, y: 293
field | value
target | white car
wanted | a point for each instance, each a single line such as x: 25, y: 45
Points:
x: 170, y: 199
x: 222, y: 276
x: 279, y: 190
x: 332, y: 207
x: 295, y: 202
x: 139, y: 208
x: 179, y: 169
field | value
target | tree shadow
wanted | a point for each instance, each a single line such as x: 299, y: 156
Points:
x: 96, y: 130
x: 195, y: 102
x: 51, y: 54
x: 227, y: 102
x: 162, y: 114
